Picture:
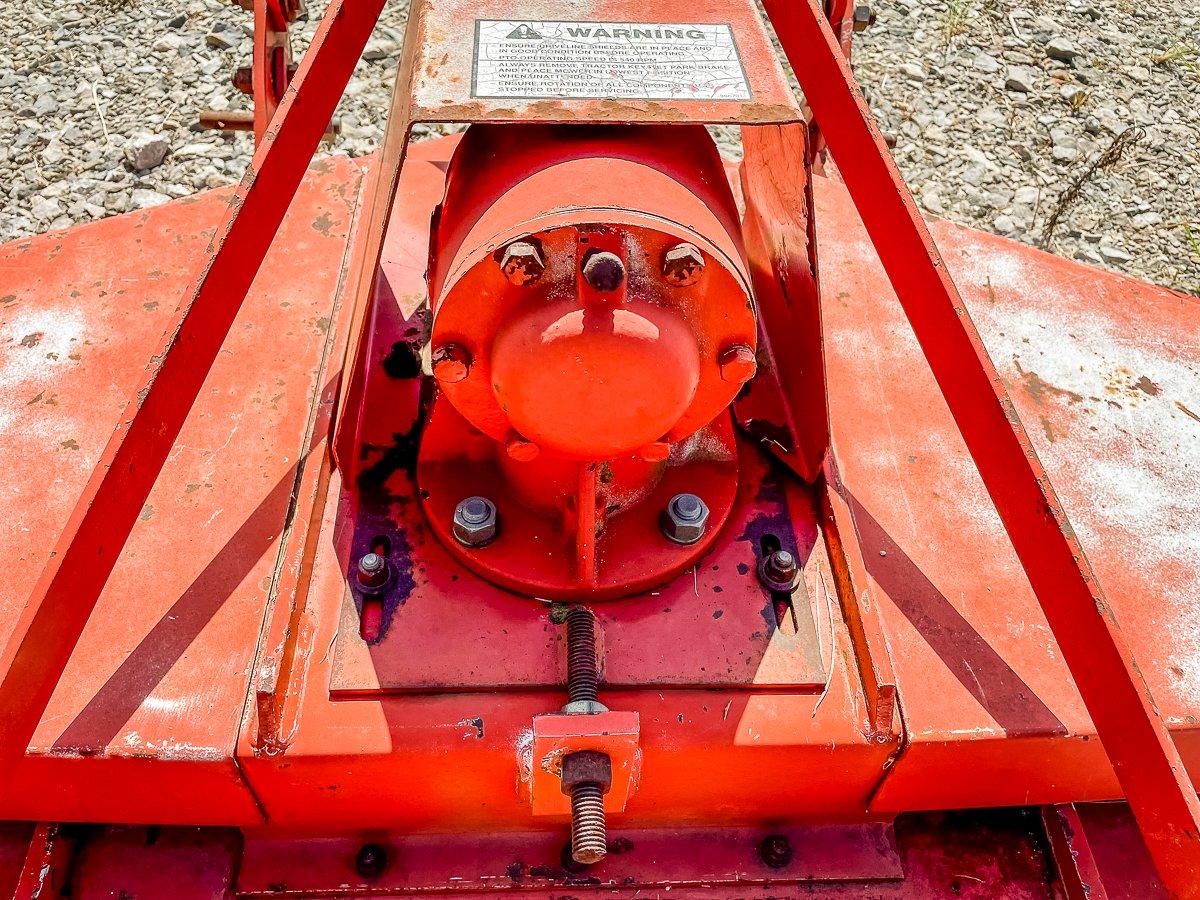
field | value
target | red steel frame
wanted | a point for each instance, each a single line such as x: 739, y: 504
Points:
x: 1134, y: 735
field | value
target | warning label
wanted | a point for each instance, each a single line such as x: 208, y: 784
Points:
x: 644, y: 60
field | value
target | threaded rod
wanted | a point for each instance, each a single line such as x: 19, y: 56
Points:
x: 583, y: 671
x: 588, y: 840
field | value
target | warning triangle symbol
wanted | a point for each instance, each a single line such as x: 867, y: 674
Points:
x: 524, y: 32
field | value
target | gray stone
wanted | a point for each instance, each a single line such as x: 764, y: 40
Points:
x: 221, y: 39
x: 380, y: 48
x: 46, y: 209
x: 986, y: 64
x: 1114, y: 255
x: 145, y: 151
x: 142, y: 198
x: 1018, y: 79
x: 167, y: 43
x: 1061, y: 48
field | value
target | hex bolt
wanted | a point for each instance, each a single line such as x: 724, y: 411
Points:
x: 451, y: 363
x: 604, y: 271
x: 372, y: 570
x: 522, y: 263
x: 685, y: 519
x: 586, y: 774
x: 587, y: 777
x: 775, y: 851
x: 475, y: 522
x: 370, y: 861
x: 779, y: 572
x: 864, y: 17
x: 682, y: 265
x: 737, y: 364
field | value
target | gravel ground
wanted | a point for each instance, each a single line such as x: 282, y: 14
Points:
x: 997, y: 108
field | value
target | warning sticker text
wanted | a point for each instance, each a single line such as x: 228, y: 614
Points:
x: 644, y: 60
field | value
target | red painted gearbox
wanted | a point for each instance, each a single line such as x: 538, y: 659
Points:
x: 593, y: 320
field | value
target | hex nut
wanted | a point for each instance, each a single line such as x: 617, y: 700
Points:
x: 864, y: 17
x: 685, y: 519
x: 779, y: 572
x: 586, y: 767
x: 373, y: 571
x: 475, y: 522
x: 682, y: 265
x: 522, y: 262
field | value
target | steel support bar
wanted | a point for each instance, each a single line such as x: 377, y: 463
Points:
x: 1134, y: 735
x: 1072, y: 853
x: 70, y: 584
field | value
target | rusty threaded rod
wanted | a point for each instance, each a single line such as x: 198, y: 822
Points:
x: 583, y: 671
x: 589, y: 843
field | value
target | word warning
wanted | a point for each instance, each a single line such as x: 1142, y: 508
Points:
x: 602, y: 60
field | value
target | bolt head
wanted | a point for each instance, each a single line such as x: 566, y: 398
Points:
x: 451, y: 363
x: 475, y: 522
x: 775, y: 851
x: 604, y: 271
x: 586, y: 767
x: 522, y: 263
x: 737, y: 364
x: 685, y: 519
x: 864, y: 17
x: 682, y: 265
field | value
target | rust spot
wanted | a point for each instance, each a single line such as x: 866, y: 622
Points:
x: 7, y: 299
x: 151, y: 306
x: 69, y: 444
x: 1147, y: 386
x: 1047, y: 429
x: 323, y: 223
x: 32, y: 340
x: 1039, y: 389
x: 147, y: 513
x: 1187, y: 412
